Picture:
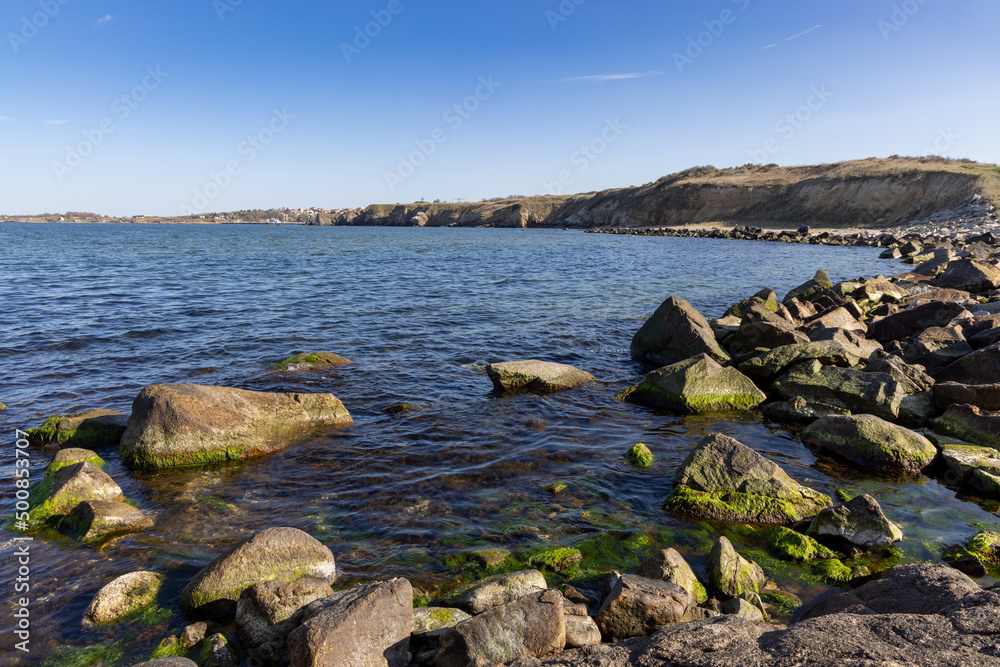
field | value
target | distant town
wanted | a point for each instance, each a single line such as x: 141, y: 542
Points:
x: 274, y: 216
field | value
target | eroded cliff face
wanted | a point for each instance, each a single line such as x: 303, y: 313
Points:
x: 865, y: 193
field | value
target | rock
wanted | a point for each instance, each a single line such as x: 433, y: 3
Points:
x: 766, y: 298
x: 581, y: 631
x: 725, y: 480
x: 308, y: 362
x: 879, y: 291
x: 799, y: 410
x: 216, y: 651
x: 186, y: 424
x: 167, y: 662
x: 668, y: 565
x: 980, y: 367
x: 774, y: 362
x: 854, y: 390
x: 740, y: 607
x: 194, y: 633
x: 800, y: 310
x: 675, y: 332
x: 810, y: 288
x: 533, y: 375
x: 93, y: 428
x: 56, y: 495
x: 639, y: 456
x: 913, y: 379
x: 637, y: 607
x: 870, y: 442
x: 971, y: 275
x: 71, y: 456
x: 982, y: 396
x: 534, y: 625
x: 793, y: 546
x: 891, y: 253
x: 492, y: 592
x: 912, y: 321
x: 266, y: 614
x: 366, y: 625
x: 979, y: 556
x: 123, y: 597
x: 917, y: 409
x: 974, y: 467
x: 902, y: 589
x: 96, y: 520
x: 837, y: 318
x: 436, y: 620
x: 695, y: 386
x: 860, y: 522
x: 936, y: 347
x: 273, y: 554
x: 967, y: 422
x: 731, y: 575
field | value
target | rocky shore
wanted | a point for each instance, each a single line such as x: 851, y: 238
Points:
x: 893, y: 375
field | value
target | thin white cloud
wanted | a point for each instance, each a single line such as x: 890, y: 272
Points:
x: 104, y: 20
x: 815, y: 27
x: 7, y: 119
x: 600, y: 78
x: 56, y: 122
x: 769, y: 46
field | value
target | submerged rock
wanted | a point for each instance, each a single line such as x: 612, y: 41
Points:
x: 675, y: 332
x: 639, y: 456
x: 533, y: 375
x: 93, y: 428
x: 696, y: 385
x: 637, y: 607
x: 794, y: 546
x: 870, y: 442
x: 311, y: 361
x: 186, y: 424
x: 725, y: 480
x: 96, y: 520
x: 123, y: 597
x: 273, y: 554
x: 860, y: 522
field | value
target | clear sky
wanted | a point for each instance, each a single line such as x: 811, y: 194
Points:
x: 123, y: 107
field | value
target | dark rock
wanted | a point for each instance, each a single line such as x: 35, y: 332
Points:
x: 95, y: 520
x: 860, y: 522
x: 970, y: 275
x: 936, y: 347
x: 914, y: 320
x: 857, y: 391
x: 637, y: 607
x: 967, y: 422
x: 774, y: 362
x: 492, y: 592
x: 799, y: 410
x: 980, y: 367
x: 810, y: 288
x: 983, y: 396
x: 974, y: 467
x: 675, y: 332
x: 765, y: 297
x: 90, y: 429
x: 912, y: 378
x: 871, y: 442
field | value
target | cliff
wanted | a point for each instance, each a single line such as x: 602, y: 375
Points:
x: 862, y: 193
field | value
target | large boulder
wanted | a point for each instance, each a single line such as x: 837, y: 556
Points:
x: 983, y: 396
x: 534, y: 625
x: 979, y: 367
x: 97, y: 520
x: 491, y: 592
x: 273, y: 554
x: 936, y: 347
x: 123, y: 597
x: 912, y: 378
x: 912, y: 321
x: 668, y: 565
x: 366, y: 625
x: 732, y: 575
x: 971, y: 275
x: 724, y: 479
x: 870, y: 442
x: 696, y: 385
x: 859, y: 521
x: 533, y: 375
x: 636, y: 607
x: 187, y: 424
x: 675, y: 332
x: 775, y: 361
x: 56, y: 495
x: 90, y: 429
x: 967, y: 422
x: 854, y: 390
x: 266, y: 614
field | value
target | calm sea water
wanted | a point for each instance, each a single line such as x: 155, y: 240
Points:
x: 92, y: 313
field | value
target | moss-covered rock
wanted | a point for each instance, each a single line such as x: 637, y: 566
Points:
x: 828, y: 352
x: 433, y: 621
x: 766, y: 298
x: 556, y: 559
x: 274, y: 554
x: 56, y: 495
x: 871, y: 442
x: 810, y: 288
x: 793, y: 546
x: 125, y: 596
x: 639, y: 456
x: 975, y: 468
x: 675, y: 332
x: 726, y: 480
x: 695, y: 386
x: 833, y: 571
x: 857, y: 391
x: 71, y: 456
x: 491, y: 592
x: 90, y: 429
x: 534, y: 375
x: 731, y: 575
x: 859, y: 521
x: 97, y: 520
x: 980, y: 427
x: 185, y: 424
x: 310, y: 361
x: 669, y: 565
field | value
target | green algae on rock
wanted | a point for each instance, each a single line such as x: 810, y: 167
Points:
x: 980, y: 427
x: 976, y: 467
x: 725, y: 480
x: 72, y: 456
x: 694, y: 386
x: 555, y: 559
x: 765, y: 297
x: 731, y: 575
x: 57, y: 495
x: 534, y: 375
x: 185, y: 424
x: 821, y: 281
x: 833, y: 571
x: 793, y: 546
x: 871, y: 442
x: 313, y: 361
x: 93, y: 428
x: 639, y: 456
x: 126, y: 596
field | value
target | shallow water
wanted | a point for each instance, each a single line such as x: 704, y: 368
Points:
x: 95, y: 312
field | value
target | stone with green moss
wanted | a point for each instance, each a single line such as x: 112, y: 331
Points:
x: 217, y: 651
x: 793, y: 546
x: 534, y: 375
x: 696, y: 385
x: 310, y: 361
x: 871, y: 442
x: 170, y: 647
x: 71, y: 456
x: 488, y: 558
x: 669, y: 565
x: 433, y: 621
x: 556, y: 488
x: 97, y: 520
x: 833, y: 571
x: 980, y: 427
x: 765, y: 297
x: 93, y: 428
x: 811, y: 288
x: 730, y: 574
x: 772, y: 363
x: 848, y: 388
x: 555, y: 560
x: 782, y: 602
x: 860, y: 522
x: 491, y: 592
x: 725, y: 480
x: 977, y: 467
x: 639, y: 456
x: 986, y: 545
x: 124, y: 597
x: 676, y: 331
x: 273, y: 554
x: 110, y: 653
x: 56, y: 495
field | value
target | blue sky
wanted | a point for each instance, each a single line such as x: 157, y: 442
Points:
x: 124, y: 107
